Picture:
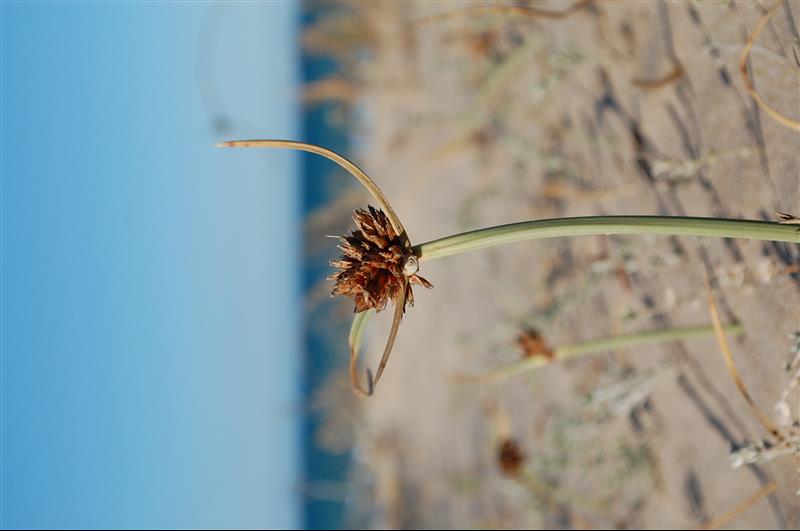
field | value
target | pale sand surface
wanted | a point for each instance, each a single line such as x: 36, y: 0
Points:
x: 480, y: 120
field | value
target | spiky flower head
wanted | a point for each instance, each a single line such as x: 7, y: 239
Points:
x: 375, y: 267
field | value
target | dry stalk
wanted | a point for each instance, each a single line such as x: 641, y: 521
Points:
x: 748, y: 84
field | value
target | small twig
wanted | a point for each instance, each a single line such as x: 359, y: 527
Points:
x: 723, y: 519
x: 398, y: 317
x: 726, y: 353
x: 748, y: 84
x: 653, y: 84
x: 512, y: 10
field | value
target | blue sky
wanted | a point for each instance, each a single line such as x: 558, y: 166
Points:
x: 150, y: 313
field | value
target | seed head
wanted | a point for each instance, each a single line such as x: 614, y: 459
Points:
x: 532, y: 344
x: 374, y: 265
x: 510, y: 457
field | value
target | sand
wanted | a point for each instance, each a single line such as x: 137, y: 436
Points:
x: 618, y: 108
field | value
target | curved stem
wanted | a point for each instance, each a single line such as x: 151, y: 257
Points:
x: 356, y: 337
x: 605, y: 225
x: 349, y: 166
x: 748, y: 83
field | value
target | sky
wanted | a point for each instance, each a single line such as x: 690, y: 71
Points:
x: 150, y: 309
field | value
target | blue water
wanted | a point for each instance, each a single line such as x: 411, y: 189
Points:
x: 323, y: 350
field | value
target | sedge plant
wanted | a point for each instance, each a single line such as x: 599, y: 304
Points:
x: 379, y: 262
x: 540, y: 355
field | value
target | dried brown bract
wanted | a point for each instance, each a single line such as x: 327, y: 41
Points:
x: 375, y: 265
x: 533, y: 345
x: 510, y: 457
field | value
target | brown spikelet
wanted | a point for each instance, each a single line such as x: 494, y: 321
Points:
x: 510, y: 457
x: 533, y: 345
x: 372, y: 263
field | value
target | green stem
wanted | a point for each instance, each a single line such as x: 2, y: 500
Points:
x: 574, y: 350
x: 640, y: 338
x: 605, y: 225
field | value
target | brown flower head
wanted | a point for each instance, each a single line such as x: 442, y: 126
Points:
x: 375, y: 265
x: 510, y: 457
x: 533, y: 345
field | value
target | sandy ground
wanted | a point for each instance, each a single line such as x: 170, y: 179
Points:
x: 489, y: 117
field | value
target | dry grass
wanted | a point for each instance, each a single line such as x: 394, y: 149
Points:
x: 748, y: 83
x: 725, y: 348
